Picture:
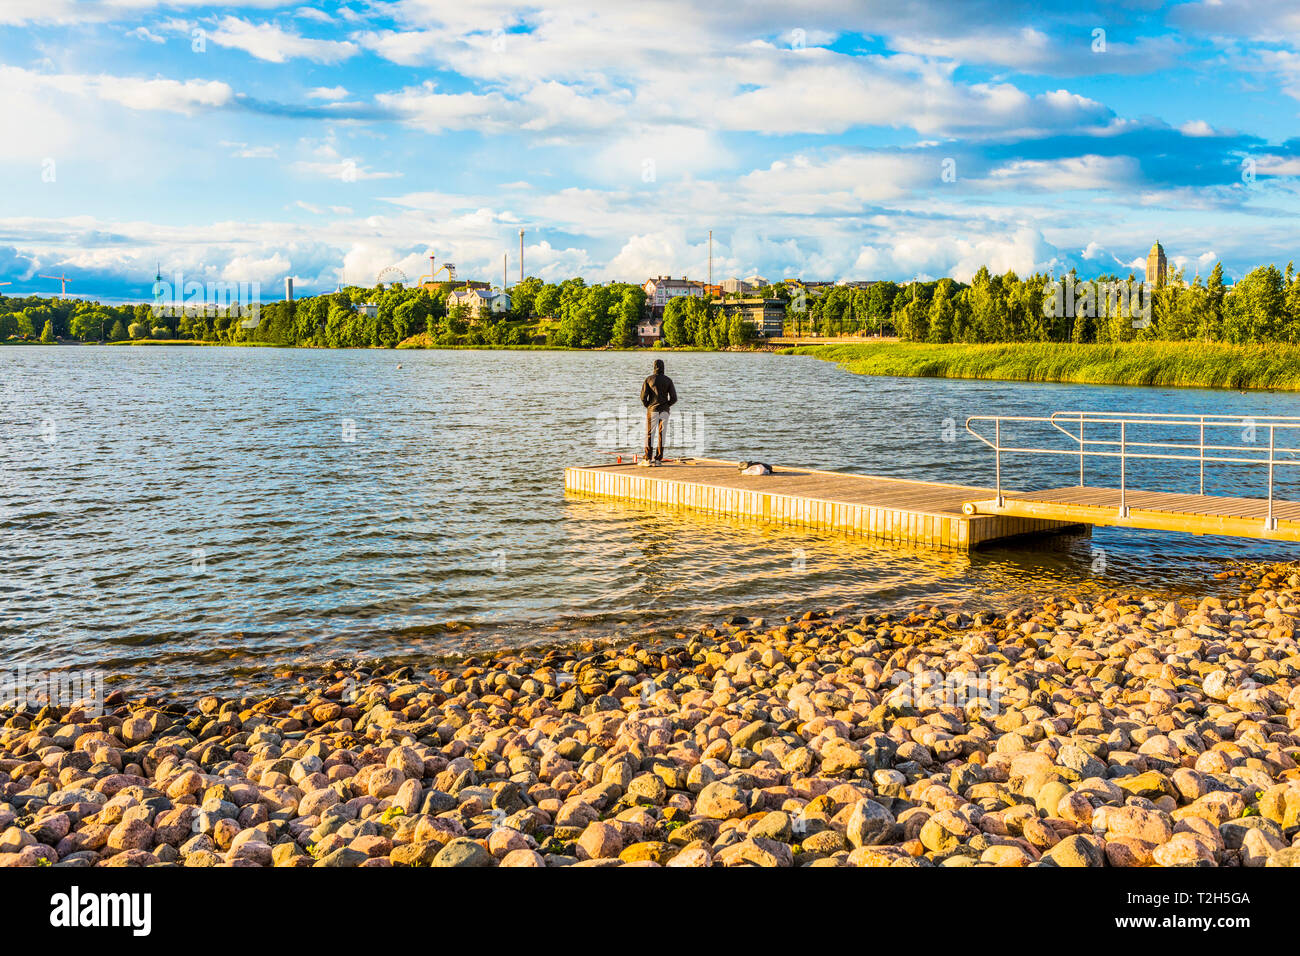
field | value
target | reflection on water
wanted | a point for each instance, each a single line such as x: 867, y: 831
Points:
x: 200, y: 515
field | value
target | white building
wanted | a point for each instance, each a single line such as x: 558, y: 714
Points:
x: 480, y: 302
x: 662, y: 288
x: 734, y: 286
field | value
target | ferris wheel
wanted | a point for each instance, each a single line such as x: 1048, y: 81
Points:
x: 390, y: 276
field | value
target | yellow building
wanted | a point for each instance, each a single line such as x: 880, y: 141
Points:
x: 1157, y: 266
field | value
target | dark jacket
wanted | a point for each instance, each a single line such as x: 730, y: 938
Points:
x: 657, y: 393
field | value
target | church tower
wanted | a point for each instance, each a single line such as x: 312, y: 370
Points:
x: 1156, y: 266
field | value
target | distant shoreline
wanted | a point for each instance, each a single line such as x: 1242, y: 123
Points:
x: 397, y: 348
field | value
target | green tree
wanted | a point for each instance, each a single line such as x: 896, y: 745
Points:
x: 914, y: 320
x: 47, y: 333
x: 547, y: 301
x: 880, y: 304
x: 739, y: 332
x: 1291, y: 305
x: 1210, y: 327
x: 673, y: 333
x: 523, y: 297
x: 1253, y: 313
x: 941, y: 313
x: 628, y: 314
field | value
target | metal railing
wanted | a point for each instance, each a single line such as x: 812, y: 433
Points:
x: 1124, y: 448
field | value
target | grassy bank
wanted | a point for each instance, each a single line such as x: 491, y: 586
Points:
x: 1180, y: 364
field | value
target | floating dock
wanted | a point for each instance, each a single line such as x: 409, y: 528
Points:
x: 921, y: 513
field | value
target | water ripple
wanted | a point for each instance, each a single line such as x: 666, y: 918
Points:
x: 186, y: 516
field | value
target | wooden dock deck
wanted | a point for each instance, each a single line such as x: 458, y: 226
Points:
x: 1151, y: 510
x: 889, y: 509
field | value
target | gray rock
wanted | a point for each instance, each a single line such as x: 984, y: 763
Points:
x: 1081, y: 762
x: 869, y: 824
x: 343, y: 856
x: 1075, y: 850
x: 775, y: 825
x: 462, y: 852
x: 1234, y: 831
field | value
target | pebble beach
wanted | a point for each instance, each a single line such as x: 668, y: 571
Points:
x: 1120, y: 730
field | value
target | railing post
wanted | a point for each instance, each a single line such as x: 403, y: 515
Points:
x: 1202, y: 454
x: 997, y: 456
x: 1081, y: 449
x: 1123, y: 489
x: 1271, y: 523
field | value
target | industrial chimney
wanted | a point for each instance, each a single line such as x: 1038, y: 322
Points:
x: 288, y: 288
x: 521, y: 255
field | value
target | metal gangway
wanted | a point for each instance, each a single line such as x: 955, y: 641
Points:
x: 1125, y: 438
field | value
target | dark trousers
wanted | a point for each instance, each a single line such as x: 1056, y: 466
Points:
x: 656, y: 423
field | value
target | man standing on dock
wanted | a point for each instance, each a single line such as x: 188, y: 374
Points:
x: 658, y: 396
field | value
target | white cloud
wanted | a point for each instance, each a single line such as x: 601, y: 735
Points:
x: 327, y: 93
x: 265, y: 269
x: 844, y: 183
x: 433, y: 112
x: 18, y: 12
x: 937, y: 252
x: 1270, y: 165
x: 175, y: 96
x: 651, y: 154
x: 405, y: 48
x: 345, y: 170
x: 1267, y: 21
x: 624, y: 67
x: 269, y: 42
x: 143, y: 33
x: 1030, y: 50
x: 312, y: 13
x: 1060, y: 175
x: 245, y: 151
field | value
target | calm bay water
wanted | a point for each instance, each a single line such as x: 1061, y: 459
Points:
x: 191, y: 517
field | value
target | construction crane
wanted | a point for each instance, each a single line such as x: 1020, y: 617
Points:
x: 63, y: 281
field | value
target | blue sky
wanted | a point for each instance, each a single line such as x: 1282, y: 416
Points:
x: 860, y: 140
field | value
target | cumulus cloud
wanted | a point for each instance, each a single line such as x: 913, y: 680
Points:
x: 344, y: 170
x: 57, y: 114
x: 1068, y: 52
x: 270, y: 42
x: 620, y: 133
x: 1073, y: 173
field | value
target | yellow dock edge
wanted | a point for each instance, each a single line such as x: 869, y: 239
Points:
x: 1139, y: 518
x: 923, y: 528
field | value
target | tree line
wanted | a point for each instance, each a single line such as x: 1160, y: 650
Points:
x: 1263, y: 307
